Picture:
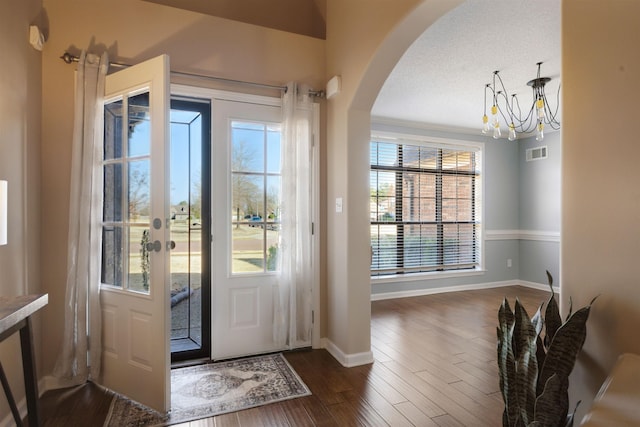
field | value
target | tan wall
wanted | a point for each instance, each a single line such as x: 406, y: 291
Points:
x: 133, y: 31
x: 600, y: 190
x: 20, y: 99
x: 365, y: 39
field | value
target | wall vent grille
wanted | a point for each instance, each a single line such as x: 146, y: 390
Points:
x: 537, y: 153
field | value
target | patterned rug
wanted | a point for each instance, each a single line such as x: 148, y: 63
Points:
x: 216, y: 388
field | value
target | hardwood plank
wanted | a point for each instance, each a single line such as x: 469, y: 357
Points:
x: 486, y: 400
x: 251, y: 417
x: 226, y: 420
x: 271, y: 415
x: 435, y: 365
x: 356, y: 412
x: 385, y: 389
x: 439, y: 395
x: 207, y: 422
x: 383, y: 408
x: 86, y: 404
x: 408, y: 391
x: 415, y: 415
x: 319, y: 413
x: 296, y: 413
x: 447, y: 421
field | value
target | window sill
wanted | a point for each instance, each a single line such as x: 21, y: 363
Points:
x: 414, y: 277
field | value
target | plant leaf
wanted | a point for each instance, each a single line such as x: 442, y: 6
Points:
x: 572, y: 416
x: 505, y: 315
x: 537, y: 320
x: 524, y: 345
x: 540, y: 353
x: 549, y: 279
x: 524, y: 332
x: 527, y: 375
x: 553, y: 403
x: 507, y: 364
x: 552, y: 317
x: 564, y: 347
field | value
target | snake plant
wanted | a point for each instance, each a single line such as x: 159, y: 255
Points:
x: 535, y: 358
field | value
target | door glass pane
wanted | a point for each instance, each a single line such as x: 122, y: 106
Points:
x: 139, y: 190
x: 273, y: 221
x: 248, y: 234
x: 113, y: 130
x: 139, y: 135
x: 248, y: 147
x: 273, y: 149
x: 139, y: 259
x: 112, y: 203
x: 112, y: 265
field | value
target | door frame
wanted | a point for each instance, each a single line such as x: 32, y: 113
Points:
x: 217, y: 94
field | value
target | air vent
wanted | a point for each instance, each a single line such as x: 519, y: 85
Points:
x: 536, y: 153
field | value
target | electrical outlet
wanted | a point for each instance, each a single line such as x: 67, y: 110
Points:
x: 509, y: 263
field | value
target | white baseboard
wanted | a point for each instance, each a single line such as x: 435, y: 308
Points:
x: 459, y: 288
x: 540, y: 286
x: 347, y: 360
x: 8, y: 421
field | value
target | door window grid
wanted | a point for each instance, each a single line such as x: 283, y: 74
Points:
x: 255, y: 195
x: 126, y: 189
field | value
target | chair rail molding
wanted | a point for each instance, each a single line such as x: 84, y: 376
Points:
x: 537, y: 235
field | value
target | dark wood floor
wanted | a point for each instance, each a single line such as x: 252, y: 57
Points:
x: 435, y: 365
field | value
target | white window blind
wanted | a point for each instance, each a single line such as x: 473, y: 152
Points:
x: 424, y: 208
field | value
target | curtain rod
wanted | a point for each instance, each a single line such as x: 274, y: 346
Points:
x: 69, y: 58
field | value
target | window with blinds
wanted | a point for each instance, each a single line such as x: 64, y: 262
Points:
x: 424, y: 208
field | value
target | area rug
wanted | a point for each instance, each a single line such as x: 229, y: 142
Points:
x: 216, y: 388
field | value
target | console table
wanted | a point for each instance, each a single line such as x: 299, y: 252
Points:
x: 15, y: 315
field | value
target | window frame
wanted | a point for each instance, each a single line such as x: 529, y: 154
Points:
x: 400, y: 138
x: 263, y: 175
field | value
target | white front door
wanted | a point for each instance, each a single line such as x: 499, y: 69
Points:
x: 245, y: 209
x: 135, y: 233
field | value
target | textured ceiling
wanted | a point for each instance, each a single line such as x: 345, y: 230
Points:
x: 440, y: 80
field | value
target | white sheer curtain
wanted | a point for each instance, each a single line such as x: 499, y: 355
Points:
x: 78, y: 361
x: 292, y: 326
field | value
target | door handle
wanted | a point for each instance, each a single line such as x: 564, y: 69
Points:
x: 154, y: 246
x: 171, y: 245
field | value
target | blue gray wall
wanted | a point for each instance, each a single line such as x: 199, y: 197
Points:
x: 539, y: 201
x: 521, y: 215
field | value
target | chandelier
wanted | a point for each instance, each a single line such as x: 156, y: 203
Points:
x: 507, y: 108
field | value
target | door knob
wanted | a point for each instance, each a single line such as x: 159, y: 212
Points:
x: 154, y: 246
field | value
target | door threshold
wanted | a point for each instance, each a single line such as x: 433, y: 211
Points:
x: 190, y: 362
